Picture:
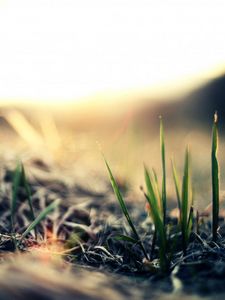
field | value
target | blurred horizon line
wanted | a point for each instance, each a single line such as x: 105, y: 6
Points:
x: 162, y: 91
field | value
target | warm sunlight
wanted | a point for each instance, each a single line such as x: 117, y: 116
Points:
x: 112, y: 139
x: 66, y: 50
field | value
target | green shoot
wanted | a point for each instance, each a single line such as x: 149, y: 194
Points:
x: 177, y: 186
x: 190, y: 219
x: 125, y: 238
x: 162, y: 147
x: 26, y: 186
x: 157, y: 189
x: 185, y: 204
x: 124, y: 208
x: 40, y: 217
x: 20, y: 180
x: 15, y: 189
x: 184, y: 200
x: 215, y: 178
x: 157, y: 201
x: 157, y: 217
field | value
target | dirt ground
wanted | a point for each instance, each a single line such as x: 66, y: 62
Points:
x: 67, y: 164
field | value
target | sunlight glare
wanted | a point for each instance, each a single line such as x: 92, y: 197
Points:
x: 64, y: 50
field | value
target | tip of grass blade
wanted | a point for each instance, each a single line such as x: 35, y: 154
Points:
x: 215, y: 119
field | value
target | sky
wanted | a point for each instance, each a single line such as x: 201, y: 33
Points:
x: 64, y: 50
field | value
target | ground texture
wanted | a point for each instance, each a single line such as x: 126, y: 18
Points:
x: 75, y: 254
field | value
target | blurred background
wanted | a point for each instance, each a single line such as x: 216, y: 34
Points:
x: 77, y: 77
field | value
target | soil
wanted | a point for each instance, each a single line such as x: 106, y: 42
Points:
x: 76, y: 255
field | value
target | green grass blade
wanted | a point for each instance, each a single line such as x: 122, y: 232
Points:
x: 125, y: 238
x: 123, y: 207
x: 215, y: 178
x: 160, y: 231
x: 155, y: 175
x: 185, y: 188
x: 15, y: 188
x: 154, y: 210
x: 185, y: 200
x: 20, y: 181
x: 190, y: 220
x: 156, y: 188
x: 157, y: 219
x: 177, y: 185
x: 163, y: 157
x: 121, y: 201
x: 40, y: 217
x: 27, y: 190
x: 151, y: 191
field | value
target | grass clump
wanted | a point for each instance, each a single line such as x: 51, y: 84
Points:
x: 157, y: 204
x: 20, y: 182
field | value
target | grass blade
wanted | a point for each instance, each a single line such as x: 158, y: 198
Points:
x: 27, y: 190
x: 154, y: 209
x: 20, y: 181
x: 151, y: 192
x: 185, y: 201
x: 40, y: 217
x: 124, y: 208
x: 126, y: 238
x: 162, y: 147
x: 177, y: 186
x: 190, y: 220
x: 215, y: 178
x: 15, y: 188
x: 157, y: 219
x: 157, y: 190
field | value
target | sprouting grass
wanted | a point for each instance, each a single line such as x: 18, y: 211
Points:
x: 163, y: 245
x: 15, y: 190
x: 184, y: 200
x: 163, y: 157
x: 187, y: 201
x: 157, y: 215
x: 125, y: 211
x: 26, y: 186
x: 186, y: 212
x: 20, y: 181
x: 40, y: 217
x: 177, y: 187
x: 157, y: 200
x: 215, y: 179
